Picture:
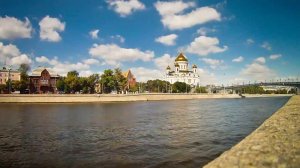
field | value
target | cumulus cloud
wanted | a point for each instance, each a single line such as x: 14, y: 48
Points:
x: 206, y: 77
x: 168, y: 40
x: 203, y: 46
x: 12, y: 28
x: 260, y: 60
x: 91, y: 61
x: 11, y: 55
x: 213, y: 63
x: 113, y: 54
x: 118, y: 37
x: 250, y: 41
x: 50, y: 28
x: 173, y: 18
x: 62, y: 68
x: 125, y: 8
x: 275, y: 56
x: 163, y: 61
x: 143, y: 74
x: 266, y: 46
x: 238, y: 59
x: 203, y: 31
x: 94, y: 34
x: 257, y: 70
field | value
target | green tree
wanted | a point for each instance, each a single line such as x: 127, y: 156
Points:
x: 120, y: 80
x: 107, y: 81
x: 200, y: 89
x: 24, y: 82
x: 60, y: 84
x: 158, y: 86
x: 72, y: 82
x: 3, y: 88
x: 181, y: 87
x: 92, y: 80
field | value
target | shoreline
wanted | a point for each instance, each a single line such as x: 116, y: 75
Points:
x: 86, y: 98
x: 275, y: 143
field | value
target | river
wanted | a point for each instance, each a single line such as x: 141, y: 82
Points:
x: 178, y: 133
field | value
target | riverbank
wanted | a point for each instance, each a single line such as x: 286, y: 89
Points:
x: 276, y: 143
x: 81, y: 98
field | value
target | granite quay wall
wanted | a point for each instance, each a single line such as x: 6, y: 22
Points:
x: 71, y: 98
x: 276, y: 143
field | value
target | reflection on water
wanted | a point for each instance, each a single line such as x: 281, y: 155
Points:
x: 181, y: 133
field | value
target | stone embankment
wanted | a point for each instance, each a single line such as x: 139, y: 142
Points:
x: 73, y: 98
x: 276, y: 143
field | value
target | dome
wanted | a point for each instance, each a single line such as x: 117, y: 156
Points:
x: 168, y: 68
x: 181, y: 57
x: 194, y: 66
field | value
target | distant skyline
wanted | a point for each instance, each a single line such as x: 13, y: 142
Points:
x: 230, y: 41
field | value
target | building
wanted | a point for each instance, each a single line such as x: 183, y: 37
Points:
x: 181, y: 72
x: 6, y: 74
x: 131, y: 80
x: 43, y: 81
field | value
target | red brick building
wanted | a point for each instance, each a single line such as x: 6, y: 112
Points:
x: 43, y: 81
x: 131, y: 81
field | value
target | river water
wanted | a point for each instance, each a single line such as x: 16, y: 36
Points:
x: 178, y: 133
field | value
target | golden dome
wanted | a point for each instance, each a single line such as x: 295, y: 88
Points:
x: 181, y: 57
x: 194, y: 66
x: 168, y: 68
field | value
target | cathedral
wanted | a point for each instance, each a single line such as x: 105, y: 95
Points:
x: 181, y: 72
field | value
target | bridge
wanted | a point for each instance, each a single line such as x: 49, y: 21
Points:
x: 238, y: 87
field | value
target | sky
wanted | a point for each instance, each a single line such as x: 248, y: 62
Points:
x: 231, y: 42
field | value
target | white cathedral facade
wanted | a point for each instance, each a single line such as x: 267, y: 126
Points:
x: 181, y: 72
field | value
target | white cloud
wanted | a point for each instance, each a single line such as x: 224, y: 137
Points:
x: 238, y: 59
x: 203, y: 46
x: 12, y: 28
x: 21, y: 59
x: 163, y: 61
x: 168, y: 40
x: 125, y: 8
x: 62, y: 68
x: 120, y: 38
x: 173, y: 17
x: 11, y: 55
x: 213, y: 63
x: 171, y: 8
x: 257, y: 70
x: 275, y: 56
x: 206, y: 77
x: 260, y: 60
x: 266, y: 46
x: 113, y: 54
x: 143, y: 74
x: 91, y: 61
x: 250, y: 41
x: 203, y: 31
x: 50, y: 28
x: 94, y: 34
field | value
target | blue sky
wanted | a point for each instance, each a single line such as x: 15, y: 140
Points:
x: 230, y: 41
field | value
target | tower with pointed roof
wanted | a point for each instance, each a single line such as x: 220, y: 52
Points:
x: 181, y: 72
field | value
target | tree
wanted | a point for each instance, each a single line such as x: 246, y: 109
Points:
x: 181, y: 87
x: 120, y: 80
x: 92, y: 80
x: 200, y: 89
x: 60, y: 84
x: 3, y: 88
x: 107, y: 81
x: 72, y: 82
x: 24, y: 82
